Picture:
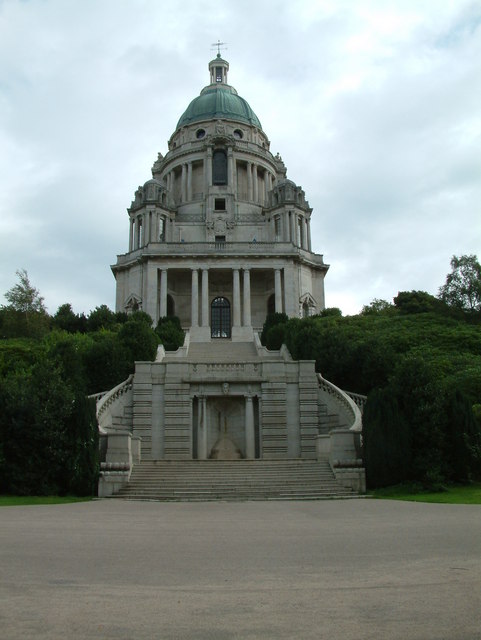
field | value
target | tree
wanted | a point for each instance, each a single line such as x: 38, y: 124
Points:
x: 463, y: 438
x: 274, y: 320
x: 26, y: 315
x: 170, y: 332
x: 24, y: 296
x: 138, y: 337
x: 416, y: 302
x: 331, y: 312
x: 69, y: 321
x: 377, y: 306
x: 103, y: 318
x: 387, y: 440
x: 463, y: 285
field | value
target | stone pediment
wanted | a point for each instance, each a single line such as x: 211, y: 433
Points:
x: 133, y: 303
x: 308, y: 299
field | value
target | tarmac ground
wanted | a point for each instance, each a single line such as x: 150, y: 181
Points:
x: 350, y: 569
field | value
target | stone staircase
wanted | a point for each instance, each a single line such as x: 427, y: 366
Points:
x: 204, y: 480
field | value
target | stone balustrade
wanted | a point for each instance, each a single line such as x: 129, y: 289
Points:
x: 342, y: 446
x: 107, y: 399
x: 358, y: 399
x: 212, y: 248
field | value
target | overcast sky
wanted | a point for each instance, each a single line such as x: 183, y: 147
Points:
x: 374, y: 106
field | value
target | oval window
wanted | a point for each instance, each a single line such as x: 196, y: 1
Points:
x: 238, y: 134
x: 199, y: 134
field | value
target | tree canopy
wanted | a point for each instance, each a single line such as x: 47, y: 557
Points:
x: 23, y: 296
x: 462, y: 288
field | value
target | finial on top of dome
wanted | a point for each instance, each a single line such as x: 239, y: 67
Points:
x: 219, y: 44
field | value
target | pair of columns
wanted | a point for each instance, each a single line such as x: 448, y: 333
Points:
x: 299, y: 232
x: 186, y: 182
x: 250, y: 441
x: 146, y: 228
x: 205, y: 315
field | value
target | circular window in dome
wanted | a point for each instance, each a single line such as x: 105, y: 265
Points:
x: 238, y: 134
x: 199, y: 134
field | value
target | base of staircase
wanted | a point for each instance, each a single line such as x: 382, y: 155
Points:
x: 237, y: 480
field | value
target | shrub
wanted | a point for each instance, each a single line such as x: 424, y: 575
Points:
x: 170, y: 333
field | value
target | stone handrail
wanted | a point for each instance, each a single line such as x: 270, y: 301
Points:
x: 107, y: 399
x: 342, y: 398
x: 359, y: 399
x: 97, y: 396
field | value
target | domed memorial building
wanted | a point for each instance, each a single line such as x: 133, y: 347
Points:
x: 220, y: 238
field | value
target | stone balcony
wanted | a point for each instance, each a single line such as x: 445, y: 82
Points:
x: 219, y: 249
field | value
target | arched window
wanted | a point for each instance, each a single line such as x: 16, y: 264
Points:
x: 219, y: 167
x: 220, y: 318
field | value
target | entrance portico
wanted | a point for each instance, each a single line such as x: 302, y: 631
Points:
x: 197, y: 298
x: 225, y: 427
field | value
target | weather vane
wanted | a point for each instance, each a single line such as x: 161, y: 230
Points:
x: 218, y: 45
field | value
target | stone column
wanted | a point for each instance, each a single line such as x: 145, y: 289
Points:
x: 183, y: 183
x: 294, y: 228
x: 208, y: 171
x: 145, y: 217
x: 278, y: 290
x: 163, y: 293
x: 202, y: 429
x: 131, y: 234
x: 250, y: 429
x: 148, y: 224
x: 304, y: 233
x: 140, y: 232
x: 266, y: 186
x: 309, y: 244
x: 255, y: 183
x: 189, y: 182
x: 287, y: 290
x: 236, y: 291
x: 195, y: 298
x: 247, y: 298
x: 205, y: 297
x: 154, y: 231
x: 230, y: 164
x: 234, y: 175
x: 249, y: 181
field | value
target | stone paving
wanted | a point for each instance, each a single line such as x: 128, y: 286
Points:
x: 350, y: 569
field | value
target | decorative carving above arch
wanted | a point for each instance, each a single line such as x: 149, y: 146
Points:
x: 133, y: 303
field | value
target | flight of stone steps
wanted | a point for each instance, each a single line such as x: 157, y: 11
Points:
x: 204, y: 480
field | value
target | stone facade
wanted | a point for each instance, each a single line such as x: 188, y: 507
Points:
x: 220, y: 238
x: 219, y: 219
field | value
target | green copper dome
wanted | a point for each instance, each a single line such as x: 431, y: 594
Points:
x: 219, y: 101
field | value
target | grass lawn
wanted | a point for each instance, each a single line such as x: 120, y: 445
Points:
x: 10, y: 501
x: 468, y: 494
